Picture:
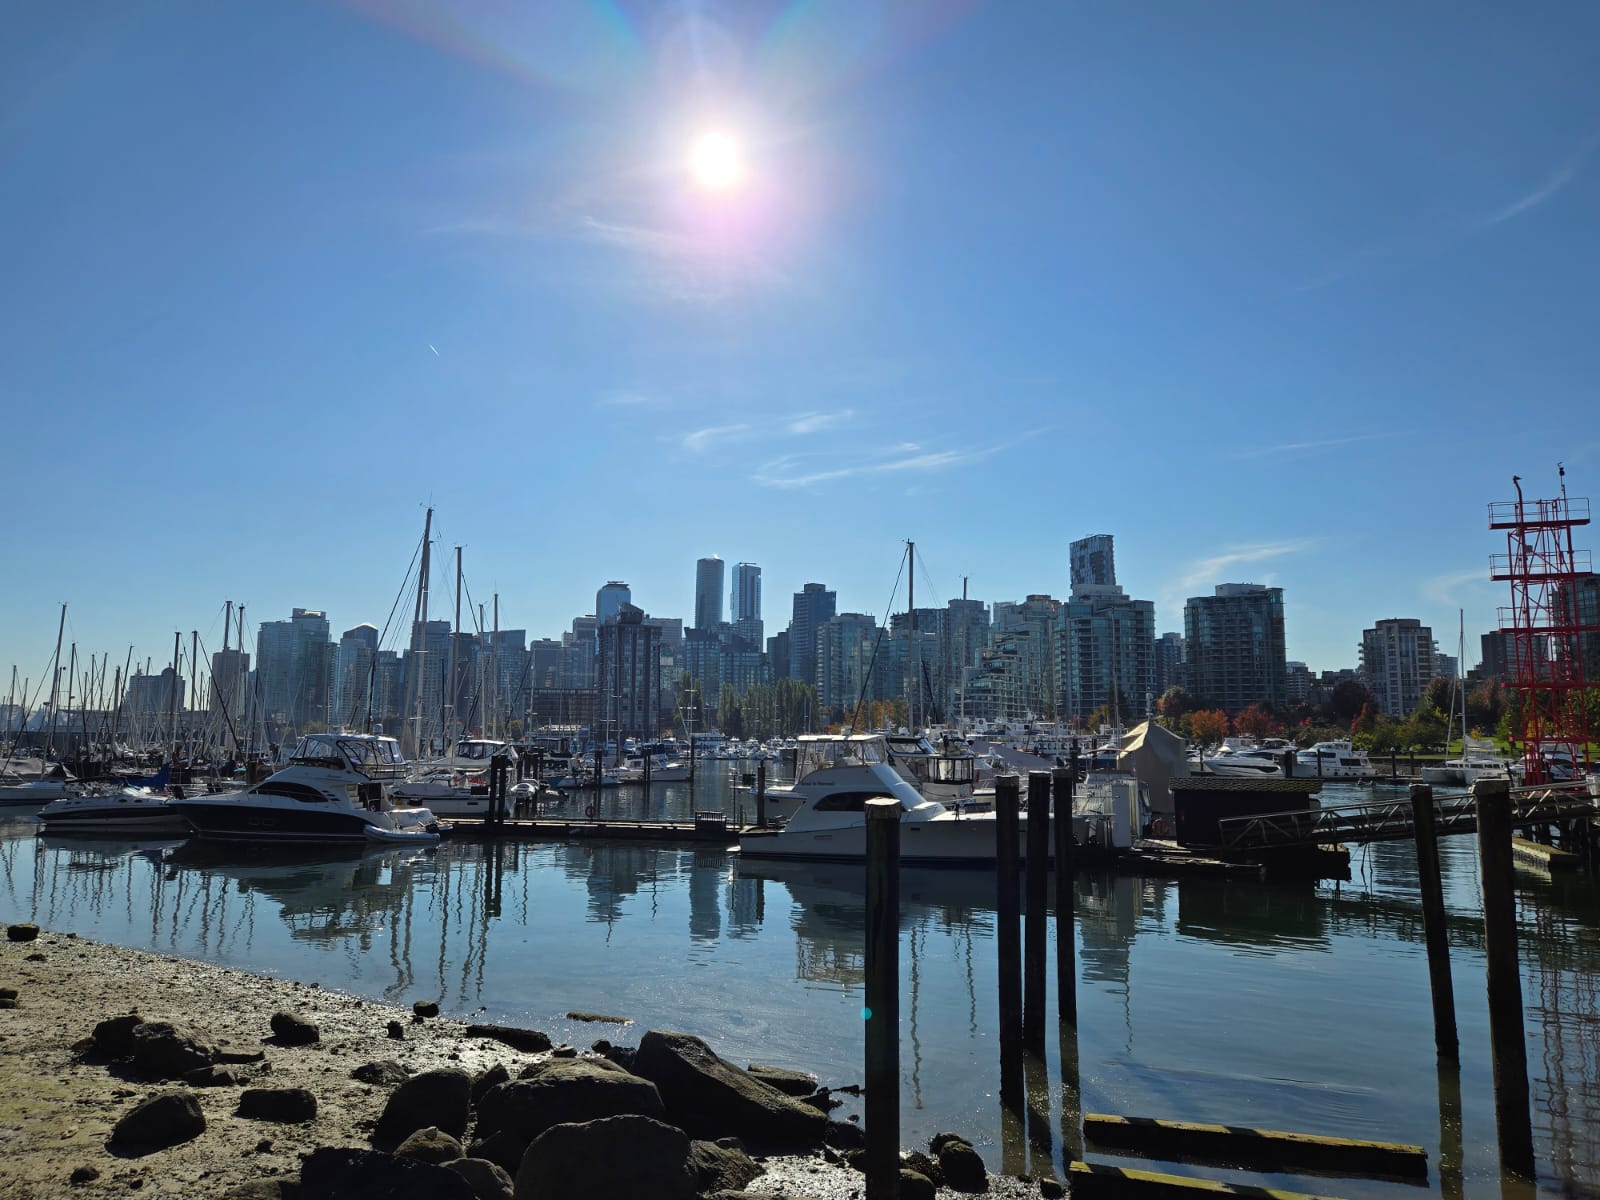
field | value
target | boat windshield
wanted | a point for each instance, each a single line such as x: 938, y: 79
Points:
x: 837, y: 752
x: 373, y: 757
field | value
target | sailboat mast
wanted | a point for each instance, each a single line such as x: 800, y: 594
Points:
x: 494, y: 674
x: 911, y: 608
x: 172, y: 703
x: 418, y: 640
x: 447, y: 707
x: 55, y: 679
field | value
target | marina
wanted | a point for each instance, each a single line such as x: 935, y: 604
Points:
x: 765, y: 959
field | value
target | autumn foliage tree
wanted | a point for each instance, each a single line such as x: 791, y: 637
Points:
x: 1257, y: 722
x: 1208, y: 726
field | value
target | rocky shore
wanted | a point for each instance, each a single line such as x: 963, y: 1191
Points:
x: 125, y: 1073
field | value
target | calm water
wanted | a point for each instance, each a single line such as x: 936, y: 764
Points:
x: 1298, y: 1007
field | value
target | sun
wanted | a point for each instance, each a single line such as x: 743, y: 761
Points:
x: 716, y: 162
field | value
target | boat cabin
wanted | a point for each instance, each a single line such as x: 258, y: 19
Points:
x: 369, y: 755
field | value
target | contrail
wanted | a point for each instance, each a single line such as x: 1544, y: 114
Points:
x: 435, y: 352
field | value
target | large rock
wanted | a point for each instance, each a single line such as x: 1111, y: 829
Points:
x: 439, y: 1098
x: 164, y: 1050
x: 721, y: 1168
x: 489, y: 1180
x: 113, y: 1037
x: 530, y: 1041
x: 293, y: 1030
x: 790, y: 1083
x: 963, y: 1166
x: 270, y: 1187
x: 288, y: 1106
x: 512, y: 1114
x: 431, y: 1145
x: 336, y: 1174
x: 713, y: 1098
x: 383, y: 1073
x: 617, y: 1156
x: 162, y: 1120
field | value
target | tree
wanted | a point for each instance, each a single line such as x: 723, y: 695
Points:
x: 1348, y: 699
x: 1439, y: 696
x: 1209, y: 726
x: 1173, y: 706
x: 1258, y: 722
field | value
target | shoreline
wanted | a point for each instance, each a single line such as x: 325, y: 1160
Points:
x: 57, y: 1109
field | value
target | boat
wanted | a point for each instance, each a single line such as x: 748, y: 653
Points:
x: 139, y: 811
x: 1477, y: 761
x: 333, y: 790
x: 662, y: 768
x: 1244, y: 760
x: 51, y: 782
x: 1337, y: 759
x: 949, y: 776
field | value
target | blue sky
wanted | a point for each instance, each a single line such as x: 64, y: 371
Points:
x: 1272, y: 292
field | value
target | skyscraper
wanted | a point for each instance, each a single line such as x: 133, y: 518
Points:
x: 1398, y: 660
x: 708, y: 583
x: 629, y: 682
x: 352, y: 687
x: 295, y: 666
x: 1093, y: 562
x: 1234, y: 642
x: 746, y: 592
x: 813, y: 605
x: 608, y: 601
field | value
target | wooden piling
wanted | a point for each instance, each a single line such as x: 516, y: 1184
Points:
x: 1035, y: 940
x: 882, y: 1011
x: 1513, y: 1123
x: 1062, y: 782
x: 1008, y: 936
x: 761, y: 793
x: 1262, y: 1149
x: 1433, y: 923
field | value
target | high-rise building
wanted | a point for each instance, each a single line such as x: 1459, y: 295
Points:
x: 229, y: 671
x: 1397, y: 661
x: 964, y: 636
x: 294, y: 669
x: 845, y: 644
x: 1031, y: 631
x: 1108, y: 653
x: 813, y: 604
x: 608, y: 601
x: 746, y: 592
x: 1235, y: 648
x: 425, y: 662
x: 1169, y: 661
x: 1093, y: 563
x: 578, y: 652
x: 708, y: 583
x: 352, y: 680
x: 629, y: 677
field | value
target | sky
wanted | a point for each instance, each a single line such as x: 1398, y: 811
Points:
x: 1272, y: 292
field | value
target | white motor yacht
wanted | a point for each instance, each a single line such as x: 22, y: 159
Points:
x: 1244, y: 760
x: 333, y: 790
x: 1335, y: 760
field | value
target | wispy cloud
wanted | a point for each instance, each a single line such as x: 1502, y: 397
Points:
x: 1420, y: 243
x: 701, y: 440
x: 1446, y: 590
x: 907, y: 458
x: 1214, y: 569
x: 814, y: 422
x: 1317, y: 444
x: 1564, y: 174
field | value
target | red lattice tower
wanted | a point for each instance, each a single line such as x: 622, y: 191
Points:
x: 1546, y: 625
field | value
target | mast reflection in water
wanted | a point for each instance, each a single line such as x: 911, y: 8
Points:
x: 1291, y: 1007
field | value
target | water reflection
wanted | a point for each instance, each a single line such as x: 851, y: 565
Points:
x: 1210, y: 999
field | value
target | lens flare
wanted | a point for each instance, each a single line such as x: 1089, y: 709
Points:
x: 716, y: 162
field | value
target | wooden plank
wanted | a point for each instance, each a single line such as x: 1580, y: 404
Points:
x: 1089, y: 1181
x: 1539, y: 855
x: 1261, y: 1149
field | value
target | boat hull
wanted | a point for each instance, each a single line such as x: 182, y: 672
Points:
x: 958, y: 842
x: 141, y: 818
x: 230, y: 820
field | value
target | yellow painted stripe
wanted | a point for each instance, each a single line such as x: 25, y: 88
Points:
x: 1091, y: 1180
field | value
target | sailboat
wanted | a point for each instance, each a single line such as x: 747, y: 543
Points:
x: 1478, y: 759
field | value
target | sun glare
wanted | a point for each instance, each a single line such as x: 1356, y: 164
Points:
x: 716, y: 162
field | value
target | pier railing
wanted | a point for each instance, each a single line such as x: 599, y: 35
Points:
x: 1391, y: 820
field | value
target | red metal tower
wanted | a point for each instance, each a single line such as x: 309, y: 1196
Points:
x: 1546, y: 626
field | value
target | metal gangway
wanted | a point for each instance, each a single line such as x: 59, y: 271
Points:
x: 1391, y: 820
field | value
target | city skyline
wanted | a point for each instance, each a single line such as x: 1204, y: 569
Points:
x: 1262, y: 294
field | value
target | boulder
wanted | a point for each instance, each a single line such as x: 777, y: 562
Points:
x: 293, y: 1030
x: 916, y: 1186
x: 489, y: 1181
x: 714, y: 1097
x: 963, y: 1167
x: 790, y: 1083
x: 425, y: 1008
x: 512, y: 1114
x: 288, y: 1106
x: 431, y: 1145
x: 530, y: 1041
x: 271, y: 1187
x: 164, y: 1119
x: 397, y: 1031
x: 339, y: 1174
x: 721, y: 1168
x: 493, y: 1077
x: 616, y: 1156
x: 846, y: 1135
x: 21, y: 932
x: 383, y: 1073
x: 113, y: 1037
x: 439, y: 1098
x: 565, y: 1092
x: 165, y: 1050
